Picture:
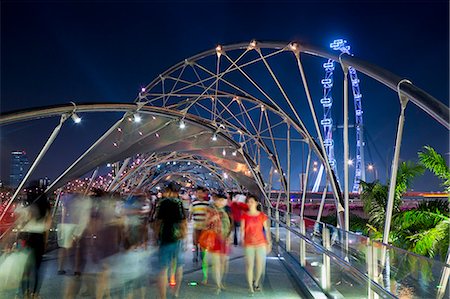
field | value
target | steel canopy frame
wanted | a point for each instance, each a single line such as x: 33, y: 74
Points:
x: 247, y: 126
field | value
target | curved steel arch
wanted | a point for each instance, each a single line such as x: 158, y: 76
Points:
x: 149, y: 169
x: 424, y: 101
x: 169, y: 89
x: 436, y: 109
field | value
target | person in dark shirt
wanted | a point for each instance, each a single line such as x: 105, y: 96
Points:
x: 170, y: 229
x: 33, y: 236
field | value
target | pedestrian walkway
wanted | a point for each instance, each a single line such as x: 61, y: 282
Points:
x: 278, y: 283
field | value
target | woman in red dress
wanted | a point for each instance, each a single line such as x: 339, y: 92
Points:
x: 255, y: 232
x: 218, y: 221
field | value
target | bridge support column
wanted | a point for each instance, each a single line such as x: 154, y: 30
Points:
x: 288, y: 232
x: 326, y: 267
x: 302, y: 247
x: 372, y: 268
x: 277, y: 225
x: 394, y: 168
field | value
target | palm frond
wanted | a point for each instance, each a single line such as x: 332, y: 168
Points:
x: 435, y: 163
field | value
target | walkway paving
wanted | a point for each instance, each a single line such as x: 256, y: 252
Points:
x: 278, y: 283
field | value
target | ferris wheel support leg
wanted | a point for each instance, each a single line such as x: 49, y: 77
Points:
x: 394, y: 168
x: 346, y: 205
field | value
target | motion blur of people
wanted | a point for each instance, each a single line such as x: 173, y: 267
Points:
x: 186, y: 199
x: 238, y: 207
x: 198, y: 214
x: 255, y: 232
x: 75, y: 216
x: 100, y: 240
x: 218, y: 221
x: 170, y: 229
x: 33, y: 236
x: 136, y: 213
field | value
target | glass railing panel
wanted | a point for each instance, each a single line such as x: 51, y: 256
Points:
x: 409, y: 275
x: 314, y: 263
x: 349, y: 247
x: 346, y: 283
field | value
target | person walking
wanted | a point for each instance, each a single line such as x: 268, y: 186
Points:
x: 33, y: 236
x: 170, y: 229
x: 238, y: 207
x: 218, y: 221
x: 255, y: 233
x: 198, y: 214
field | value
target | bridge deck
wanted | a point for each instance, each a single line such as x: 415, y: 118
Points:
x: 278, y: 282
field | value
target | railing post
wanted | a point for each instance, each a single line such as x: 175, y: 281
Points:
x: 288, y: 231
x: 372, y: 268
x: 326, y: 269
x: 277, y: 225
x: 444, y: 278
x: 302, y: 246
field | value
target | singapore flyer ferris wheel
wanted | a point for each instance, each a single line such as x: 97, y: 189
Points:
x: 327, y: 120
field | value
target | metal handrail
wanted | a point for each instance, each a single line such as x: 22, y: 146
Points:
x: 375, y: 286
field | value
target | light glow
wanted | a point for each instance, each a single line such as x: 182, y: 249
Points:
x: 76, y: 119
x: 137, y: 118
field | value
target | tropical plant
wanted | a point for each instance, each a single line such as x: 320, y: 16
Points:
x: 375, y: 195
x: 435, y: 163
x: 424, y: 230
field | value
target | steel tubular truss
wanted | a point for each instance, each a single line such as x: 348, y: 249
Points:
x: 237, y: 101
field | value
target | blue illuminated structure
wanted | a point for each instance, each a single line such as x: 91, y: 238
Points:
x: 327, y: 121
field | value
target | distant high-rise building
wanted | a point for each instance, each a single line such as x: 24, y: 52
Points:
x: 19, y: 167
x: 44, y: 182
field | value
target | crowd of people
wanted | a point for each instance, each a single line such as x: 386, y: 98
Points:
x: 104, y: 238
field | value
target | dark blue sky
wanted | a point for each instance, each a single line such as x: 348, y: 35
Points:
x: 53, y: 53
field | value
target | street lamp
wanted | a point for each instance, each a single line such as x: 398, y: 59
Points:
x: 370, y: 167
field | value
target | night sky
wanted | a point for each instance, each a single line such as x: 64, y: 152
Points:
x: 54, y: 53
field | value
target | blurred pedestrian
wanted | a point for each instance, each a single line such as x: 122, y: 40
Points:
x: 238, y: 207
x: 218, y: 221
x: 33, y: 236
x: 198, y: 214
x: 170, y: 229
x: 255, y: 232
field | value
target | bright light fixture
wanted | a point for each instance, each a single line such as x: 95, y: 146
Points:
x: 182, y: 124
x: 76, y: 119
x: 137, y: 118
x: 214, y: 137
